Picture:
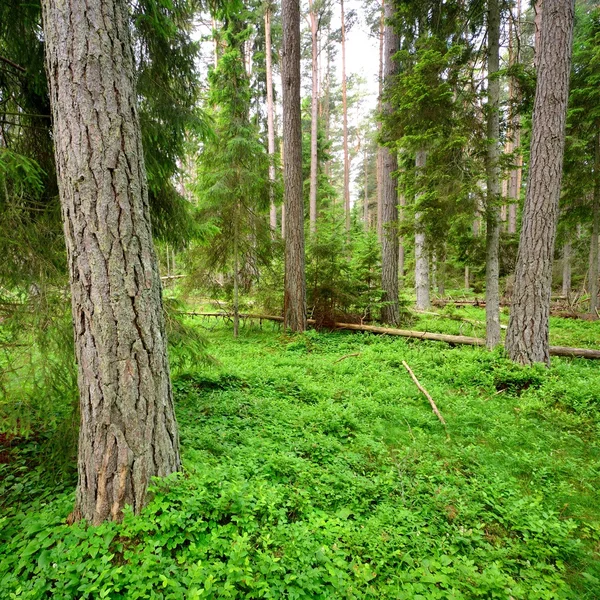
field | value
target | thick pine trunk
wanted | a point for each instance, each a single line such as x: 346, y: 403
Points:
x: 314, y: 120
x: 527, y: 335
x: 421, y: 252
x: 389, y: 209
x: 295, y: 281
x: 270, y: 120
x: 128, y: 432
x: 492, y: 290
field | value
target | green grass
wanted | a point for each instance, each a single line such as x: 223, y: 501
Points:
x: 307, y: 476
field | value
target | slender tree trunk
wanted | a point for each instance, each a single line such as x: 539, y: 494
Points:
x: 538, y: 8
x: 514, y: 182
x: 421, y: 253
x: 595, y: 231
x: 401, y: 251
x: 566, y: 278
x: 128, y: 432
x: 389, y: 210
x: 366, y: 191
x: 327, y: 99
x: 492, y: 288
x: 379, y: 108
x: 295, y: 279
x: 467, y: 278
x: 345, y: 123
x: 270, y: 120
x: 527, y: 336
x: 236, y: 276
x: 314, y: 120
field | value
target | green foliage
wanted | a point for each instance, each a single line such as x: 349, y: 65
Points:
x: 310, y: 477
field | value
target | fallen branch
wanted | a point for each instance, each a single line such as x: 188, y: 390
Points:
x: 345, y: 357
x: 426, y: 393
x: 421, y: 335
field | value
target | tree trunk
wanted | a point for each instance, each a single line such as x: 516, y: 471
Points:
x: 389, y: 213
x: 527, y: 336
x: 379, y: 108
x: 595, y: 231
x: 345, y: 123
x: 314, y: 120
x: 236, y: 276
x: 366, y: 190
x: 514, y: 181
x: 467, y: 278
x: 566, y: 278
x: 270, y: 122
x: 295, y: 280
x: 492, y: 290
x: 421, y: 254
x: 128, y: 432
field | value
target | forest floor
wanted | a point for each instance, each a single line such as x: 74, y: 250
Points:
x: 316, y: 469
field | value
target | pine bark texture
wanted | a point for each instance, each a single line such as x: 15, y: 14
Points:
x: 527, y: 336
x: 295, y: 281
x: 270, y: 120
x: 128, y: 432
x: 492, y: 271
x: 421, y: 254
x: 314, y: 122
x: 389, y: 199
x: 379, y: 107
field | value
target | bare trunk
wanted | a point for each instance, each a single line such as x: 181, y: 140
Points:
x: 401, y: 252
x: 345, y: 124
x: 492, y: 290
x: 379, y: 107
x: 270, y: 121
x: 366, y: 191
x: 515, y: 175
x: 314, y: 120
x: 467, y: 278
x: 421, y: 253
x: 527, y: 336
x: 128, y: 432
x: 595, y: 231
x: 295, y: 280
x: 566, y: 274
x: 389, y: 210
x: 538, y: 8
x: 236, y: 276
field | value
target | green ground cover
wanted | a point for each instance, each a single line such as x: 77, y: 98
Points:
x: 314, y: 468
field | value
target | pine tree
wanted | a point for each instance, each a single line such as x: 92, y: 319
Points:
x: 128, y: 432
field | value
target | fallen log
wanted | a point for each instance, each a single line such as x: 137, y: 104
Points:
x: 421, y: 335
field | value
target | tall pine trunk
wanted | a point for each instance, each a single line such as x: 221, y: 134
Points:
x: 595, y: 230
x: 389, y: 203
x: 314, y: 120
x: 527, y: 336
x: 128, y: 432
x: 566, y: 270
x: 345, y: 123
x: 295, y: 279
x: 492, y: 290
x: 421, y: 252
x: 379, y: 107
x: 270, y: 120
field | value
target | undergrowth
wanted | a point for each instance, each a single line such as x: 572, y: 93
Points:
x: 315, y: 469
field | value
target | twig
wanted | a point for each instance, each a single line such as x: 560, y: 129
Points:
x: 344, y: 357
x: 426, y: 393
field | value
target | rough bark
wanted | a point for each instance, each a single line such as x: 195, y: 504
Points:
x: 314, y: 120
x: 527, y: 336
x: 366, y: 190
x: 492, y: 271
x: 295, y: 281
x: 270, y: 121
x: 128, y: 432
x: 389, y: 203
x: 421, y: 253
x: 345, y: 123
